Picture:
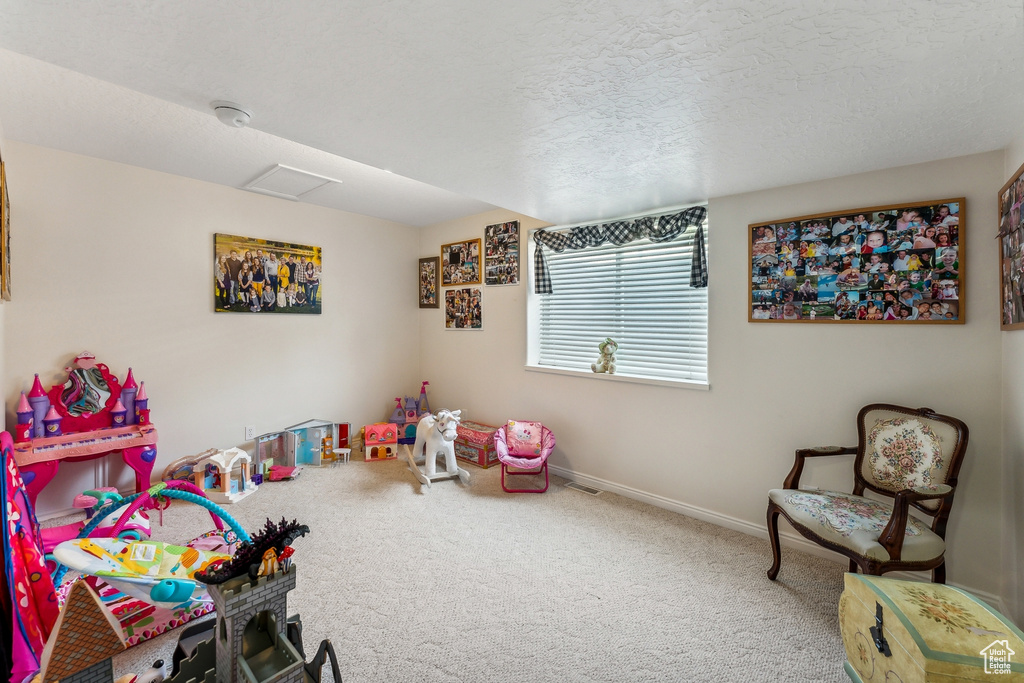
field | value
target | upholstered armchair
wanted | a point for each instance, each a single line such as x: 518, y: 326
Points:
x: 911, y: 457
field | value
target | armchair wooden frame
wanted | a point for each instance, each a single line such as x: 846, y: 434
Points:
x: 891, y: 537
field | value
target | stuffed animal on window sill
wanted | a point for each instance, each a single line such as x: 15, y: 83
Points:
x: 606, y: 363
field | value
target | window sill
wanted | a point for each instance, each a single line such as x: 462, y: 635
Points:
x: 604, y: 377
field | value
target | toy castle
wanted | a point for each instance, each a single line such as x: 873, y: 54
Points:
x: 407, y: 416
x: 252, y: 640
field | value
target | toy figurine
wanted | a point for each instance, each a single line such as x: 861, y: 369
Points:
x: 606, y: 363
x: 269, y: 564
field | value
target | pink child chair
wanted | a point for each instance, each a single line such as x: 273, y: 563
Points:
x: 525, y: 450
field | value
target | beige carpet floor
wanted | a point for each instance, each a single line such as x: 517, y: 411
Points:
x: 462, y: 583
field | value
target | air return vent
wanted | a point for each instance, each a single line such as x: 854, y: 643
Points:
x: 288, y: 183
x: 582, y: 487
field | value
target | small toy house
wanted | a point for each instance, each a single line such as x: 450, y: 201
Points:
x: 314, y: 441
x: 225, y: 476
x: 82, y: 641
x: 381, y: 441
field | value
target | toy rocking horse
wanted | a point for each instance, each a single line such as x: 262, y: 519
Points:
x: 435, y: 436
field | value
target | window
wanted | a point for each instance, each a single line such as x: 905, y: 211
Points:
x: 638, y: 294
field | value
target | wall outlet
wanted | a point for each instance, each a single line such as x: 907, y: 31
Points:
x: 250, y: 432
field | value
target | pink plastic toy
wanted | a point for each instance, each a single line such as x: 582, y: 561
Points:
x: 135, y: 526
x: 520, y: 456
x: 88, y: 416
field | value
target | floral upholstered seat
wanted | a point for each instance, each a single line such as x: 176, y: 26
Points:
x: 855, y: 523
x: 910, y: 456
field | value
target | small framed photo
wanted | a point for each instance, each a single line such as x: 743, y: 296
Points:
x: 463, y: 309
x: 428, y: 282
x: 460, y: 263
x: 501, y: 254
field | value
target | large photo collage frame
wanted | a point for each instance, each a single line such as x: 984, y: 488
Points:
x: 901, y: 263
x: 1011, y: 252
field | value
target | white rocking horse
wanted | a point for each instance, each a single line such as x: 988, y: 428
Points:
x: 435, y: 435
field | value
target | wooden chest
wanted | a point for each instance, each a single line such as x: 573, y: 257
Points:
x: 475, y: 444
x: 927, y: 632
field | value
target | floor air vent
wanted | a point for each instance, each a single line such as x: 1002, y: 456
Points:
x: 582, y: 487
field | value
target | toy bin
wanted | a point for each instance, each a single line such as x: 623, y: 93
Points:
x: 475, y: 444
x: 911, y: 631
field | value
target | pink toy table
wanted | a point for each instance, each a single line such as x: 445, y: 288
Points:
x: 40, y: 458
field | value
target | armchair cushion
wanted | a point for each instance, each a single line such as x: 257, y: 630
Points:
x: 903, y: 453
x: 523, y: 438
x: 530, y: 461
x: 855, y: 523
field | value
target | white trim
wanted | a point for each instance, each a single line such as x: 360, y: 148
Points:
x: 678, y: 383
x: 788, y: 538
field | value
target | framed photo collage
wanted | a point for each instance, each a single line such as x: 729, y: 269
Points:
x: 885, y: 264
x: 491, y: 261
x: 1011, y: 252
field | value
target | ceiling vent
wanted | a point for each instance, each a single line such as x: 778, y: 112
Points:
x: 286, y: 182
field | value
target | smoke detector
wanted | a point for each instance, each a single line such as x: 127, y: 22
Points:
x: 231, y: 114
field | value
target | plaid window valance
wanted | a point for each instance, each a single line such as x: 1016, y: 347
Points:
x: 655, y: 228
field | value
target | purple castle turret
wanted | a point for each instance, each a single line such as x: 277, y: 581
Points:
x: 397, y: 416
x: 128, y: 392
x: 118, y: 415
x: 24, y: 430
x: 40, y: 403
x: 51, y: 423
x: 422, y: 404
x: 142, y: 406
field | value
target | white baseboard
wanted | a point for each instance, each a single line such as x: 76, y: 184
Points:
x: 787, y: 538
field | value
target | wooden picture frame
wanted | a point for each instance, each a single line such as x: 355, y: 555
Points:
x: 5, y: 236
x: 501, y: 254
x: 428, y: 282
x: 898, y: 263
x: 463, y: 309
x: 460, y: 263
x: 1011, y: 253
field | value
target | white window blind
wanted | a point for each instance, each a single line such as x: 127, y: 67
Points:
x: 638, y: 294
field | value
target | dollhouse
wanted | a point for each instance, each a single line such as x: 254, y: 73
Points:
x: 273, y: 448
x: 224, y: 476
x: 381, y: 441
x: 308, y: 443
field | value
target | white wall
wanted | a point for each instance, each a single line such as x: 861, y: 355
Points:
x: 1013, y: 433
x: 774, y: 388
x: 118, y: 260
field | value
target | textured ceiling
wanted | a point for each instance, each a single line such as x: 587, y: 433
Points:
x: 560, y: 109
